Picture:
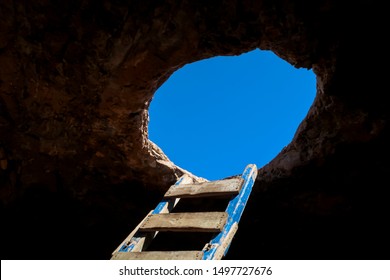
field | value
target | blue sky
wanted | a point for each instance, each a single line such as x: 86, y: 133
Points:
x: 214, y: 116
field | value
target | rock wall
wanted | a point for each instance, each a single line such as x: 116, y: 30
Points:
x: 77, y: 170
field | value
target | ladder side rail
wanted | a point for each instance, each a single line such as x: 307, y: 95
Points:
x: 130, y: 240
x: 234, y: 209
x: 137, y: 241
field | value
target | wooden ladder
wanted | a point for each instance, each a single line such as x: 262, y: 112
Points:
x: 222, y: 225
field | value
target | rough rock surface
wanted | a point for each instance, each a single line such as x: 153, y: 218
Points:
x: 77, y: 170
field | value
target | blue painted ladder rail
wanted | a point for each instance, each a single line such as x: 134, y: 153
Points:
x: 223, y: 225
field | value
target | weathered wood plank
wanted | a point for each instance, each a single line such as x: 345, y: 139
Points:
x: 167, y: 204
x: 159, y: 255
x: 195, y: 222
x: 214, y: 188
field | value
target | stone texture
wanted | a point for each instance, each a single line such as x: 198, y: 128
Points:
x: 77, y: 170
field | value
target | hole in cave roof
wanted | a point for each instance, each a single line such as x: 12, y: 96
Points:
x: 214, y: 116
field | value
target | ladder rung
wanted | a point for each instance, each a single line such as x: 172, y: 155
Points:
x: 195, y: 222
x: 214, y: 188
x: 159, y: 255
